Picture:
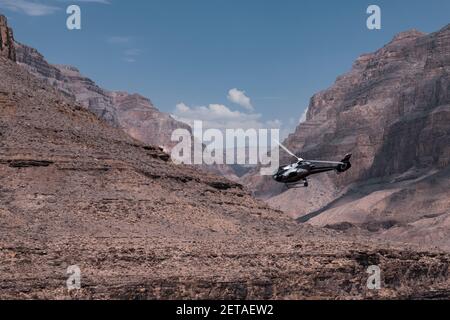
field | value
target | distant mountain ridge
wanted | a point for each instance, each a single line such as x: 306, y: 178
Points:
x: 133, y: 113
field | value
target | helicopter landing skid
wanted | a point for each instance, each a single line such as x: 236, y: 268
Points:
x: 297, y: 185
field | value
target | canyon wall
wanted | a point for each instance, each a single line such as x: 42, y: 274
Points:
x: 392, y: 111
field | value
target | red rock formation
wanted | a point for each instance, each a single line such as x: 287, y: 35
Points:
x: 7, y: 49
x: 138, y: 117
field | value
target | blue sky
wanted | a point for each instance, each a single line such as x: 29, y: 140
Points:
x: 191, y: 53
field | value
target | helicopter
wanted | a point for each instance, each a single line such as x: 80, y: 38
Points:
x: 292, y: 174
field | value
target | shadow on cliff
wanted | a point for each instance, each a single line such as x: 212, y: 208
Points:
x: 348, y: 196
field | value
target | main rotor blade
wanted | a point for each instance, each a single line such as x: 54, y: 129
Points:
x: 325, y: 162
x: 288, y: 151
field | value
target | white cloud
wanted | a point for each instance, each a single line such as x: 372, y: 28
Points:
x: 181, y: 108
x: 215, y: 116
x: 131, y: 55
x: 132, y: 52
x: 303, y: 117
x: 28, y: 7
x: 274, y: 123
x: 239, y: 97
x: 40, y: 8
x: 118, y: 40
x: 219, y: 116
x: 92, y: 1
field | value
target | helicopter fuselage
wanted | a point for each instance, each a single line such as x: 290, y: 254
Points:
x: 291, y: 174
x: 299, y: 171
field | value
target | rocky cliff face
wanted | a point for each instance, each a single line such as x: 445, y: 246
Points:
x: 69, y: 80
x: 133, y: 113
x: 138, y: 117
x: 392, y: 111
x: 7, y: 49
x: 392, y: 106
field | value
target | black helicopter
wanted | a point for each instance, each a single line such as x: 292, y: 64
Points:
x: 291, y: 174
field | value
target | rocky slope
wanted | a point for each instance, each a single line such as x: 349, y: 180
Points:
x: 76, y: 191
x: 392, y: 111
x: 133, y: 113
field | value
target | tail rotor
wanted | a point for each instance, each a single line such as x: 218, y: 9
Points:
x: 346, y: 165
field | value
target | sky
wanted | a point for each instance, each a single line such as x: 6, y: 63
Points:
x: 231, y: 63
